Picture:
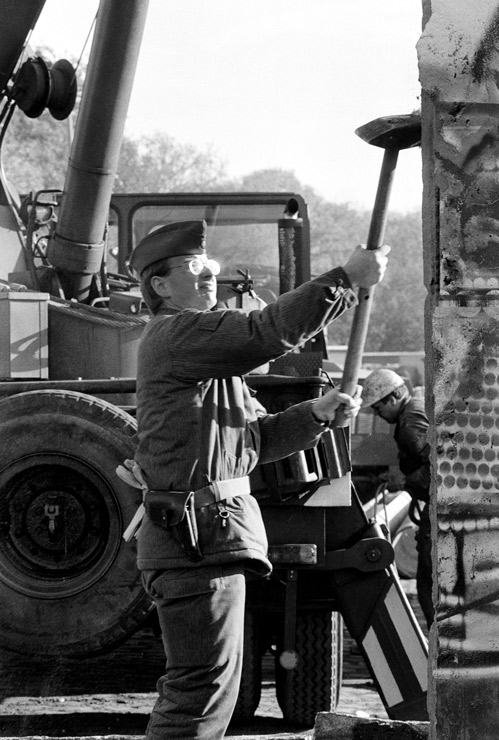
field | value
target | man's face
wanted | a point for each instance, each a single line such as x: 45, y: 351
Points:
x: 191, y: 282
x: 386, y: 409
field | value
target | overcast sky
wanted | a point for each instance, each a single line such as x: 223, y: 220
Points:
x: 272, y: 83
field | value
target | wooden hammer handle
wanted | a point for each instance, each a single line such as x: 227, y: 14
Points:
x: 358, y: 334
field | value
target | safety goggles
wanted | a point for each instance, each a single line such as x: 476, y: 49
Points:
x: 197, y: 264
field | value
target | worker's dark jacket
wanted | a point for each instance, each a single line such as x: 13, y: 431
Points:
x: 414, y: 450
x: 199, y: 422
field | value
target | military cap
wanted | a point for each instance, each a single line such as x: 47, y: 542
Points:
x: 172, y: 240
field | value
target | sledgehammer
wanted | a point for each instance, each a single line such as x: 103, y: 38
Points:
x: 391, y: 133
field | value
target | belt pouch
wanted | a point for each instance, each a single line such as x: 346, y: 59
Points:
x: 175, y: 510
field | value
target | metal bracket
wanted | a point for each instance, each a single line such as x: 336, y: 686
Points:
x: 300, y: 554
x: 370, y: 554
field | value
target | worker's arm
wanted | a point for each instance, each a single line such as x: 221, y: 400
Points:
x: 222, y: 343
x: 300, y: 426
x: 414, y: 453
x: 418, y: 481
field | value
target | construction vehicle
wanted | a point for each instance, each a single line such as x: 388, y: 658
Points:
x: 72, y: 318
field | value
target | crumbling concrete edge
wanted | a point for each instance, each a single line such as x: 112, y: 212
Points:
x: 339, y: 726
x: 77, y: 737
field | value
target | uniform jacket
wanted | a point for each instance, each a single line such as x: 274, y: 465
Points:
x: 199, y: 422
x: 414, y: 450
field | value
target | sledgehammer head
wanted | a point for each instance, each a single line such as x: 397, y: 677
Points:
x: 393, y: 132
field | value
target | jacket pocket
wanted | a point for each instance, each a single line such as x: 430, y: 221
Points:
x: 231, y: 525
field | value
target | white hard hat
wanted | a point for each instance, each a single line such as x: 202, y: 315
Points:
x: 379, y: 384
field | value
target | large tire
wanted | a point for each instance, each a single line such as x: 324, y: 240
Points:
x: 314, y: 685
x: 69, y: 584
x: 250, y: 688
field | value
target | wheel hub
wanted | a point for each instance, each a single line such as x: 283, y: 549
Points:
x: 55, y: 527
x: 55, y: 516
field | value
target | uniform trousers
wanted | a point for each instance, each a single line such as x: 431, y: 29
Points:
x: 201, y: 614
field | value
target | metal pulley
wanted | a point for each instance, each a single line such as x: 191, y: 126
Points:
x: 38, y: 86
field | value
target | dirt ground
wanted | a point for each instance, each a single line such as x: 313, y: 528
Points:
x: 56, y: 702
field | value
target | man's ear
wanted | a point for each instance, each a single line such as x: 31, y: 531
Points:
x: 159, y: 286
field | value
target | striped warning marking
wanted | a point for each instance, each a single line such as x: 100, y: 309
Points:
x: 397, y: 650
x: 387, y: 683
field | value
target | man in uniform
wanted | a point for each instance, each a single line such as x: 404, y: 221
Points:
x: 201, y: 430
x: 388, y: 396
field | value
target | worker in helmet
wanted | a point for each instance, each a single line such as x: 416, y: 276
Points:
x: 389, y: 397
x: 201, y: 432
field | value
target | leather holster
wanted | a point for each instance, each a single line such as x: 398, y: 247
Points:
x: 175, y: 510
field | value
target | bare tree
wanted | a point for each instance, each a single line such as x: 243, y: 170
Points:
x: 160, y: 164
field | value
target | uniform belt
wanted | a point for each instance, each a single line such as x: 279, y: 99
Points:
x: 217, y: 491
